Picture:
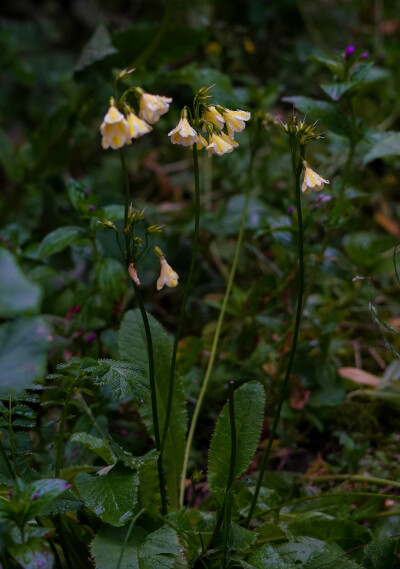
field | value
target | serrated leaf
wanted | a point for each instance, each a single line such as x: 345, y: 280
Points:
x: 327, y: 114
x: 95, y: 444
x: 18, y: 294
x: 22, y: 354
x: 239, y: 538
x: 344, y: 532
x: 266, y: 556
x: 387, y: 145
x: 327, y: 560
x: 249, y: 412
x: 157, y: 550
x: 381, y: 554
x: 60, y: 239
x: 132, y: 345
x: 113, y: 496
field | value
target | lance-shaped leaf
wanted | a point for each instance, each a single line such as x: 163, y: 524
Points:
x: 133, y: 347
x: 249, y: 411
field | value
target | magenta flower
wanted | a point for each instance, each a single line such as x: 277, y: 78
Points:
x: 350, y: 49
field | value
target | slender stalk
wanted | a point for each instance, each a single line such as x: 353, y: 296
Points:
x: 150, y: 350
x: 7, y: 461
x: 153, y: 392
x: 356, y: 478
x: 185, y: 295
x: 128, y: 535
x: 218, y: 329
x: 297, y: 169
x: 60, y: 444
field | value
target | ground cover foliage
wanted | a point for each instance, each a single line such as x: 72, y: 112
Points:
x: 89, y: 475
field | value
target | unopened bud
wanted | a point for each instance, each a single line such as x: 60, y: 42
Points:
x: 106, y: 223
x: 133, y: 274
x: 138, y: 241
x: 155, y: 228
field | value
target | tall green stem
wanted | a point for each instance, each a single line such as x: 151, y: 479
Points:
x: 218, y: 328
x: 297, y: 169
x: 185, y: 294
x: 60, y: 444
x: 150, y: 351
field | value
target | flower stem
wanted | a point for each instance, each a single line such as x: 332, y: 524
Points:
x: 150, y: 350
x: 218, y: 328
x: 60, y: 444
x: 128, y: 535
x: 297, y: 168
x: 185, y: 295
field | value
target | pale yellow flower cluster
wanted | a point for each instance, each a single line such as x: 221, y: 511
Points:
x: 118, y: 129
x: 218, y: 143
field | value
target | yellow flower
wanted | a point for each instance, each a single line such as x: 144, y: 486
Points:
x: 220, y: 144
x: 167, y: 275
x: 114, y: 129
x: 183, y: 134
x: 202, y: 142
x: 153, y: 106
x: 235, y: 120
x: 312, y: 180
x: 213, y: 116
x: 137, y: 127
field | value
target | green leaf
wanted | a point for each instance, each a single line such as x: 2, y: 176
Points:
x: 249, y: 412
x: 60, y: 239
x: 133, y: 347
x: 198, y: 77
x: 301, y: 549
x: 365, y: 248
x: 125, y: 380
x: 240, y: 539
x: 387, y: 145
x: 381, y: 554
x: 112, y: 496
x: 95, y: 444
x: 177, y: 43
x: 325, y: 113
x: 17, y: 293
x: 33, y: 554
x: 98, y: 47
x: 111, y: 278
x: 157, y: 550
x: 335, y: 65
x: 266, y: 556
x: 23, y: 358
x: 344, y: 532
x: 328, y: 560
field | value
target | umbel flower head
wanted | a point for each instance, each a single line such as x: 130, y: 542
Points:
x: 212, y: 119
x: 303, y: 131
x: 312, y: 180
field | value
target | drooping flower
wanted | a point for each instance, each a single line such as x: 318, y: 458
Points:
x: 235, y: 120
x: 183, y: 133
x: 312, y: 180
x: 152, y: 107
x: 114, y: 129
x: 167, y: 275
x: 137, y: 127
x: 221, y: 144
x: 202, y: 142
x: 214, y: 116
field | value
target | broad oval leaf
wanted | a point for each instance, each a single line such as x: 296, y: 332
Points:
x: 249, y: 412
x: 112, y: 496
x: 17, y: 293
x: 23, y: 359
x: 60, y: 239
x: 387, y: 145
